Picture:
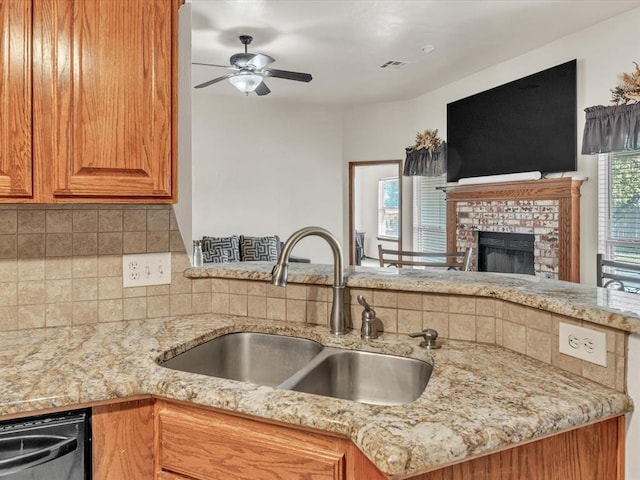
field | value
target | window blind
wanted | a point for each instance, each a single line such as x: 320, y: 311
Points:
x: 429, y: 215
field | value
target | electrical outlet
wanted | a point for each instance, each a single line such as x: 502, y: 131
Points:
x: 142, y: 269
x: 583, y: 343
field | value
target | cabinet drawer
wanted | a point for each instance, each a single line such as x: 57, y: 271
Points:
x: 209, y: 445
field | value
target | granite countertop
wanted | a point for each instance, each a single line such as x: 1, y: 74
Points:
x: 602, y: 306
x: 480, y: 398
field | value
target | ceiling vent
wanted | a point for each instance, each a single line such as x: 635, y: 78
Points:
x: 394, y: 64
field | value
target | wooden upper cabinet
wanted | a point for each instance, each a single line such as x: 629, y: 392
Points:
x: 15, y: 99
x: 105, y: 88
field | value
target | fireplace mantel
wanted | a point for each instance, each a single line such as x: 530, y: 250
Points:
x: 558, y: 235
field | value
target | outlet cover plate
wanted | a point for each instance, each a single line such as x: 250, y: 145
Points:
x: 583, y: 343
x: 143, y: 269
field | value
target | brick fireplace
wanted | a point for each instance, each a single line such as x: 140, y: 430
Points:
x: 549, y: 209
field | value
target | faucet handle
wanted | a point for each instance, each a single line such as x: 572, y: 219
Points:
x: 430, y: 335
x: 369, y: 330
x: 363, y: 301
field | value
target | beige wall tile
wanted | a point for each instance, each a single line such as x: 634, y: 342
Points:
x: 158, y: 220
x: 388, y: 318
x: 439, y: 321
x: 159, y: 306
x: 384, y: 298
x: 410, y: 321
x: 31, y: 293
x: 8, y: 246
x: 238, y: 305
x: 621, y: 374
x: 31, y: 245
x: 85, y: 244
x: 8, y: 317
x: 179, y: 283
x: 219, y: 303
x: 130, y: 292
x: 84, y: 289
x: 238, y: 287
x: 556, y: 319
x: 514, y: 313
x: 158, y: 241
x: 85, y: 312
x: 462, y: 304
x: 514, y: 336
x: 317, y: 312
x: 8, y: 270
x: 58, y: 244
x: 110, y: 243
x: 31, y: 316
x: 486, y: 307
x: 58, y: 314
x: 154, y: 290
x: 410, y: 301
x: 486, y: 329
x: 538, y: 319
x: 110, y: 266
x: 110, y: 310
x: 85, y: 220
x: 201, y: 285
x: 134, y: 220
x: 276, y: 308
x: 276, y: 292
x: 31, y: 221
x: 58, y: 221
x: 180, y: 261
x: 319, y: 293
x: 603, y: 375
x: 435, y: 303
x: 499, y: 331
x: 175, y: 242
x: 8, y: 293
x: 8, y: 221
x: 109, y: 288
x: 257, y: 289
x: 296, y: 310
x: 110, y: 220
x: 134, y: 308
x: 134, y: 242
x: 296, y: 291
x: 219, y: 285
x: 621, y: 343
x: 539, y: 345
x: 31, y: 269
x: 257, y: 306
x: 59, y: 267
x: 462, y: 326
x: 201, y: 302
x: 180, y: 304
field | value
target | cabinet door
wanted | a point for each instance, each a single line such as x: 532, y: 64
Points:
x: 15, y: 99
x: 108, y: 86
x: 206, y: 445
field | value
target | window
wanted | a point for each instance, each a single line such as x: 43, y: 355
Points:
x: 619, y: 205
x: 388, y: 213
x: 429, y: 214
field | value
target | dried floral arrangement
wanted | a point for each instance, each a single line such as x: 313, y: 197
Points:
x: 628, y: 92
x: 428, y: 139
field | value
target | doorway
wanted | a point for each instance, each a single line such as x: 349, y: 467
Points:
x: 375, y: 209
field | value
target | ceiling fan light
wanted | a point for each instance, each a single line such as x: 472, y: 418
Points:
x: 246, y: 82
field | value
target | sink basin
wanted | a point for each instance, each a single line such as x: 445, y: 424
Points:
x: 364, y: 377
x: 259, y: 358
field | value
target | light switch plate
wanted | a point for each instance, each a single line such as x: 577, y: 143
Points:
x: 583, y: 343
x: 143, y: 269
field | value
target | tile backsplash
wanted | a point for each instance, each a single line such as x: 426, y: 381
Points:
x: 62, y: 264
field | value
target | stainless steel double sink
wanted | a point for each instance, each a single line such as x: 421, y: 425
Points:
x: 303, y: 365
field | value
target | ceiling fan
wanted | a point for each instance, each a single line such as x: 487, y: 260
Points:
x: 249, y: 71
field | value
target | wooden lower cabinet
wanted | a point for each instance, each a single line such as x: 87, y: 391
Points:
x: 164, y: 440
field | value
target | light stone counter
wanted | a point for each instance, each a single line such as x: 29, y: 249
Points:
x: 480, y: 398
x: 602, y: 306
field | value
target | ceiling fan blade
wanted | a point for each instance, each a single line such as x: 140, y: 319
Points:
x: 212, y: 65
x: 262, y: 89
x: 260, y: 60
x: 298, y: 76
x: 215, y: 80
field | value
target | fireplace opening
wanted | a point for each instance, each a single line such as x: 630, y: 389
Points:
x: 506, y: 252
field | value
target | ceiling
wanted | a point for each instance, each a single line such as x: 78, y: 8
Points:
x: 343, y: 43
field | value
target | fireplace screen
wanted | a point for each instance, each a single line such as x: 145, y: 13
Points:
x: 506, y: 252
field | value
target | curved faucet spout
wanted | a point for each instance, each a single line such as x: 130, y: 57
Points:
x: 280, y: 272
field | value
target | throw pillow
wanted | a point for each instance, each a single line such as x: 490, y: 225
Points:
x: 221, y: 249
x: 261, y: 249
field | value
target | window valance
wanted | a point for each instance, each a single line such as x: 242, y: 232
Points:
x: 611, y: 129
x: 426, y: 162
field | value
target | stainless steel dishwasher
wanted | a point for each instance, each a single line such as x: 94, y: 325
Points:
x: 51, y: 447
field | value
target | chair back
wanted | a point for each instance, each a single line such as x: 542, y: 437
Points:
x: 449, y: 260
x: 617, y: 275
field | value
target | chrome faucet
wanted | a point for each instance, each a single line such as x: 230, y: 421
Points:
x: 337, y: 324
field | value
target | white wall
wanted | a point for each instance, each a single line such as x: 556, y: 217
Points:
x: 603, y: 51
x: 262, y: 168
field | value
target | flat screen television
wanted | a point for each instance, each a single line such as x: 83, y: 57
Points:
x: 525, y: 125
